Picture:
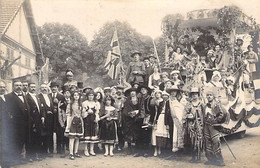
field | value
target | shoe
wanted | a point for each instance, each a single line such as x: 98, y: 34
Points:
x: 220, y: 164
x: 72, y: 157
x: 146, y: 155
x: 77, y: 155
x: 209, y: 162
x: 119, y: 149
x: 86, y: 154
x: 155, y: 154
x: 38, y: 159
x: 92, y: 153
x: 30, y: 160
x: 106, y: 154
x: 111, y: 154
x: 62, y: 156
x: 137, y: 155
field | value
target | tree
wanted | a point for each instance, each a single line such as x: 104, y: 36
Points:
x: 65, y: 47
x: 171, y: 28
x: 129, y: 40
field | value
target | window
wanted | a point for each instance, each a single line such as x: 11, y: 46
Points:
x: 10, y: 53
x: 27, y: 61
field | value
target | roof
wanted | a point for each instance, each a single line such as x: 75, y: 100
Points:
x: 8, y: 11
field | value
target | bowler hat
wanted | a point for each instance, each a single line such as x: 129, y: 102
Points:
x: 80, y: 85
x: 128, y: 91
x: 144, y: 86
x: 53, y: 84
x: 173, y: 88
x: 136, y: 52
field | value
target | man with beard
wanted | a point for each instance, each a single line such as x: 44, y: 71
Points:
x: 3, y: 119
x: 59, y: 127
x: 35, y: 128
x: 17, y: 122
x: 215, y: 114
x: 47, y: 110
x: 144, y: 132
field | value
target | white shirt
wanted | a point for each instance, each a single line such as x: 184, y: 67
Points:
x: 35, y: 100
x: 3, y: 97
x: 47, y: 100
x: 20, y: 97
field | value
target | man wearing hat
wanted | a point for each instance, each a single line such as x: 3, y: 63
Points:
x: 144, y: 134
x: 69, y: 78
x: 59, y: 127
x: 152, y: 59
x: 148, y: 70
x: 136, y: 69
x: 215, y: 114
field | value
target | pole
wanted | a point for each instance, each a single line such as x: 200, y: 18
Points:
x: 157, y: 57
x: 228, y: 146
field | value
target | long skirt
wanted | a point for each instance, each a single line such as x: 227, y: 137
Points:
x: 90, y: 129
x: 108, y: 131
x: 160, y: 134
x: 76, y: 127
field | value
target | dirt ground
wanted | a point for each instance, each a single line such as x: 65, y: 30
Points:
x: 246, y: 150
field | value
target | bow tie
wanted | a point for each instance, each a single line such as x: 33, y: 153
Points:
x: 208, y: 105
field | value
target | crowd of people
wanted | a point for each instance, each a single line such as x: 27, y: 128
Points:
x: 171, y: 112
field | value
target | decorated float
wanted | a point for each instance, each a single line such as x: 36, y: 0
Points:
x: 198, y: 33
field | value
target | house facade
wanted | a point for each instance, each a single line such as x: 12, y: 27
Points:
x: 20, y: 50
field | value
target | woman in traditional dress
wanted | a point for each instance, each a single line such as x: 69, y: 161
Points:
x: 252, y: 58
x: 178, y: 116
x: 90, y: 118
x: 154, y: 79
x: 129, y: 123
x: 195, y: 114
x: 160, y: 133
x: 108, y: 126
x: 74, y: 112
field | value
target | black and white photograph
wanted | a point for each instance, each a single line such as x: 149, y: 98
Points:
x: 129, y: 83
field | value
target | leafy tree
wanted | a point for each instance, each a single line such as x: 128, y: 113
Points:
x: 129, y: 40
x: 171, y: 28
x: 65, y: 47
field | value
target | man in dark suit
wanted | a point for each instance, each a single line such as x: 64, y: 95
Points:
x: 36, y: 125
x: 148, y: 70
x: 17, y: 124
x: 3, y: 119
x: 59, y: 122
x: 47, y: 111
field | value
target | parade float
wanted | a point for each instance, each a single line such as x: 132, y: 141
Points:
x: 205, y: 28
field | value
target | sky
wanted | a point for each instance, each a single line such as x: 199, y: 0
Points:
x: 143, y: 15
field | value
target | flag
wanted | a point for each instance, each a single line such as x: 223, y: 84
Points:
x: 44, y: 77
x: 113, y: 62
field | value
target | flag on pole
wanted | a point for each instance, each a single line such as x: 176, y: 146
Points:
x: 166, y: 53
x: 45, y: 72
x: 156, y: 54
x: 113, y: 61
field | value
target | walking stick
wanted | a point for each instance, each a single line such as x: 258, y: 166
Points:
x: 228, y: 146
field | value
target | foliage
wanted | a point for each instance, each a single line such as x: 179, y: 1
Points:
x: 129, y: 40
x: 65, y: 47
x: 171, y: 28
x: 230, y: 17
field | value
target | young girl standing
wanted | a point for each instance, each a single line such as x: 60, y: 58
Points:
x: 108, y: 127
x: 90, y: 118
x: 74, y: 112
